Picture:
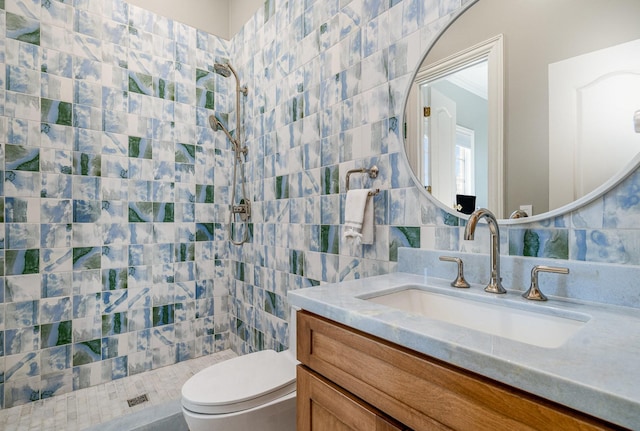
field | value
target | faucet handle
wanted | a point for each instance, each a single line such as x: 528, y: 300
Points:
x: 534, y: 292
x: 459, y: 281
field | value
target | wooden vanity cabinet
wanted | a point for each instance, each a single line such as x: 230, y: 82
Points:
x: 350, y: 380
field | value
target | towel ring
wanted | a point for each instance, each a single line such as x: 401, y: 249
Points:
x: 372, y: 172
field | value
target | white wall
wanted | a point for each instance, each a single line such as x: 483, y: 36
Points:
x: 240, y: 11
x: 222, y: 18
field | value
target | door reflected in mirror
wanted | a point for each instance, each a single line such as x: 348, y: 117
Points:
x: 459, y: 102
x: 548, y: 138
x: 455, y: 113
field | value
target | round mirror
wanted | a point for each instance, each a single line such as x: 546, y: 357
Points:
x: 526, y: 105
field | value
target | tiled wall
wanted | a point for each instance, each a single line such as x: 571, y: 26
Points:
x: 115, y: 190
x: 113, y: 253
x: 328, y: 80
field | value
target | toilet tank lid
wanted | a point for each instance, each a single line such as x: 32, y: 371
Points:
x: 239, y: 381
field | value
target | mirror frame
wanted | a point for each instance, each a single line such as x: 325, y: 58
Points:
x: 607, y: 186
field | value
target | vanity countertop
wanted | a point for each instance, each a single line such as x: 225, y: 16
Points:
x: 596, y: 371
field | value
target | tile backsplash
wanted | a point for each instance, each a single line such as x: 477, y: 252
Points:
x: 116, y: 191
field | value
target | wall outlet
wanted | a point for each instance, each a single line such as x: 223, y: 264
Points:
x: 528, y: 209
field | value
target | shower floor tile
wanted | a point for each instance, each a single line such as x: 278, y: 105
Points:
x: 84, y: 408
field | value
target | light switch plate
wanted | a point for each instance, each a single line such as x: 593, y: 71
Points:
x: 528, y: 209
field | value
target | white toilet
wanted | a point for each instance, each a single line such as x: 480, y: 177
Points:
x: 251, y: 392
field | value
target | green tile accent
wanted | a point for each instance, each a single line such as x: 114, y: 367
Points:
x: 450, y: 219
x: 258, y: 339
x: 140, y: 212
x: 204, y: 231
x: 114, y: 279
x: 205, y: 98
x: 270, y: 302
x: 558, y: 245
x: 113, y: 324
x: 140, y: 83
x: 87, y: 164
x: 86, y: 352
x: 330, y: 180
x: 56, y: 112
x: 201, y: 74
x: 139, y: 148
x: 239, y: 271
x: 166, y: 90
x: 531, y: 243
x: 269, y: 9
x: 56, y: 334
x: 205, y: 79
x: 22, y: 261
x: 329, y: 239
x: 86, y: 258
x: 23, y: 29
x: 20, y: 158
x: 541, y: 243
x: 185, y: 252
x: 163, y: 315
x: 185, y: 153
x: 402, y: 236
x: 204, y: 194
x: 163, y: 212
x: 296, y: 262
x: 282, y: 187
x: 297, y: 108
x: 412, y: 234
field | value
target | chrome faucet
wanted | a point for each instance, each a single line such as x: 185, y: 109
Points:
x: 495, y: 282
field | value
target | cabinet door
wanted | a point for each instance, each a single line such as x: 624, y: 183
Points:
x: 421, y: 392
x: 323, y: 406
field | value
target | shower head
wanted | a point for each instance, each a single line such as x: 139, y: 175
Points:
x: 222, y: 69
x: 226, y: 70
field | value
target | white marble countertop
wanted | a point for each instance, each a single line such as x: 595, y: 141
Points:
x: 595, y: 371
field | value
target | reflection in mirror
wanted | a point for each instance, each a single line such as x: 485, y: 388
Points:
x: 458, y: 125
x: 460, y: 136
x: 565, y: 111
x: 592, y: 102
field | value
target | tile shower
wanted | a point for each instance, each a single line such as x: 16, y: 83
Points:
x: 115, y: 191
x: 114, y: 255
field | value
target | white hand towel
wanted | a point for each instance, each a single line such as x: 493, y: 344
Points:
x: 358, y: 217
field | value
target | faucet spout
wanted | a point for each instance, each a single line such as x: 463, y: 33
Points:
x: 495, y: 281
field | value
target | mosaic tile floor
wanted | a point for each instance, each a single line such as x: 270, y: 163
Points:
x: 84, y: 408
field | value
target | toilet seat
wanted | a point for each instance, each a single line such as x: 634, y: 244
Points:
x: 240, y: 383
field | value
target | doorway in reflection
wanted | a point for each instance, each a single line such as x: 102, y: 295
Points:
x: 454, y: 133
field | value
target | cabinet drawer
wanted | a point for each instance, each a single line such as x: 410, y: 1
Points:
x: 421, y: 392
x: 322, y: 406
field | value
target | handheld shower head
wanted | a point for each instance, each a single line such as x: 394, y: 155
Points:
x: 215, y: 123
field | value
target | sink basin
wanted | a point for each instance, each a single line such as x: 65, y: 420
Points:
x: 530, y: 327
